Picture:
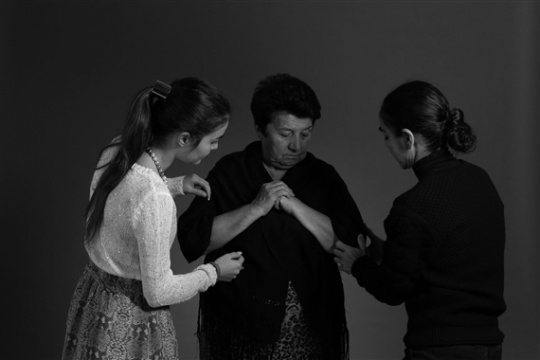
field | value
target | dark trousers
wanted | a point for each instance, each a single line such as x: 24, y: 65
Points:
x: 469, y: 352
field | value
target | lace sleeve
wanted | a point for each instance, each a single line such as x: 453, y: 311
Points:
x: 176, y: 185
x: 153, y: 227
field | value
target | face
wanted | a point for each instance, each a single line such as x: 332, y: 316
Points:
x: 398, y: 145
x: 208, y: 143
x: 286, y: 140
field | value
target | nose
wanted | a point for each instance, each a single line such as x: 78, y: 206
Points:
x: 294, y: 143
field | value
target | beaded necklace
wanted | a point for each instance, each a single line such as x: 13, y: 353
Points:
x: 156, y: 162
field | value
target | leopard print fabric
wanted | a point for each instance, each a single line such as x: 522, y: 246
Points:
x: 296, y: 338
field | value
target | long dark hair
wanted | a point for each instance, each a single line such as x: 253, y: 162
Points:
x: 423, y: 109
x: 193, y: 105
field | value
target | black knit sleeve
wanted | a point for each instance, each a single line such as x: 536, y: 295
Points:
x: 410, y: 241
x: 343, y: 212
x: 195, y: 224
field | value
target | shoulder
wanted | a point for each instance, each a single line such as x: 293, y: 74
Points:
x: 320, y: 166
x: 145, y: 185
x: 230, y: 159
x: 237, y: 159
x: 473, y: 169
x: 402, y: 219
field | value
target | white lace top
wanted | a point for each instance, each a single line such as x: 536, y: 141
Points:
x: 137, y: 233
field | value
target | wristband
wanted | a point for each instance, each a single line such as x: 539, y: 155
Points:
x: 218, y: 270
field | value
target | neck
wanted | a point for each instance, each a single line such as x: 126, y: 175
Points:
x: 421, y: 152
x: 275, y: 174
x: 164, y: 157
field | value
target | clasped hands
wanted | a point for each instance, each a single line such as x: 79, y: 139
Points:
x: 275, y: 194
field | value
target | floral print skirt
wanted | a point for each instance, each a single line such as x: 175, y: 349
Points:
x: 110, y: 319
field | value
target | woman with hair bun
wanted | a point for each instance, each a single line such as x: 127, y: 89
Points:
x: 444, y: 250
x: 120, y: 308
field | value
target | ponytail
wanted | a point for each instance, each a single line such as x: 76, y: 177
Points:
x: 136, y: 137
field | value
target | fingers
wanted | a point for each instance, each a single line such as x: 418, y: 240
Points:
x: 269, y: 193
x: 194, y: 184
x: 206, y: 186
x: 361, y: 242
x: 340, y: 245
x: 277, y: 189
x: 201, y: 183
x: 236, y: 255
x: 201, y: 193
x: 278, y: 184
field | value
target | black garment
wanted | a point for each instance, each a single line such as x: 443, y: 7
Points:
x: 444, y: 255
x: 277, y: 249
x: 455, y: 352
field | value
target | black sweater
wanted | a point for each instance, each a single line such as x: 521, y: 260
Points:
x: 443, y: 256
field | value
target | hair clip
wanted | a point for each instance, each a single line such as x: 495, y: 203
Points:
x: 161, y: 89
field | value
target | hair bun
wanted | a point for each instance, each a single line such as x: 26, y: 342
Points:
x: 456, y: 117
x: 460, y: 135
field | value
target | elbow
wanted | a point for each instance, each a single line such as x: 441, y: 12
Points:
x: 191, y: 252
x: 391, y: 298
x: 191, y: 256
x: 393, y: 302
x: 152, y: 298
x: 153, y: 302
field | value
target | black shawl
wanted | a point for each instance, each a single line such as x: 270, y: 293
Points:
x: 277, y: 249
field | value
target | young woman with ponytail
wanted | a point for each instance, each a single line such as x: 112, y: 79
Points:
x: 444, y: 250
x: 120, y: 309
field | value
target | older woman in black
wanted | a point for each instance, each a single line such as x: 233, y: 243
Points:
x: 444, y: 252
x: 282, y: 208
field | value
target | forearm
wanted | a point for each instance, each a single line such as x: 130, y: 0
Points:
x: 228, y: 225
x: 164, y: 288
x: 317, y: 223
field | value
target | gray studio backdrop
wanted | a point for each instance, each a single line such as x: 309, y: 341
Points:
x: 69, y: 70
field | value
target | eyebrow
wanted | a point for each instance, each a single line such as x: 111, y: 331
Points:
x: 381, y: 129
x: 291, y: 129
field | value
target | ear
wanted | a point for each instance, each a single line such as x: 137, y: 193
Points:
x: 407, y: 138
x: 183, y: 138
x: 260, y: 134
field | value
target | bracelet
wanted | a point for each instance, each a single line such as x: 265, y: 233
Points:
x: 218, y: 270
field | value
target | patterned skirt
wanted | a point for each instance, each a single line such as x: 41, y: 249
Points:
x: 110, y: 319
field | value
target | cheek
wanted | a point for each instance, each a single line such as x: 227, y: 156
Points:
x: 278, y: 146
x: 206, y: 150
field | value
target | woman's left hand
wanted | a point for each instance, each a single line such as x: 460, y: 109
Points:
x: 194, y: 184
x: 346, y: 255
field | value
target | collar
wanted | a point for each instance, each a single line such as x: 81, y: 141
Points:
x: 437, y: 160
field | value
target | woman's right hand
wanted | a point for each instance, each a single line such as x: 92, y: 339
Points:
x: 230, y: 265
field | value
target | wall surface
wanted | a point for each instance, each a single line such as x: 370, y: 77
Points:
x: 69, y: 69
